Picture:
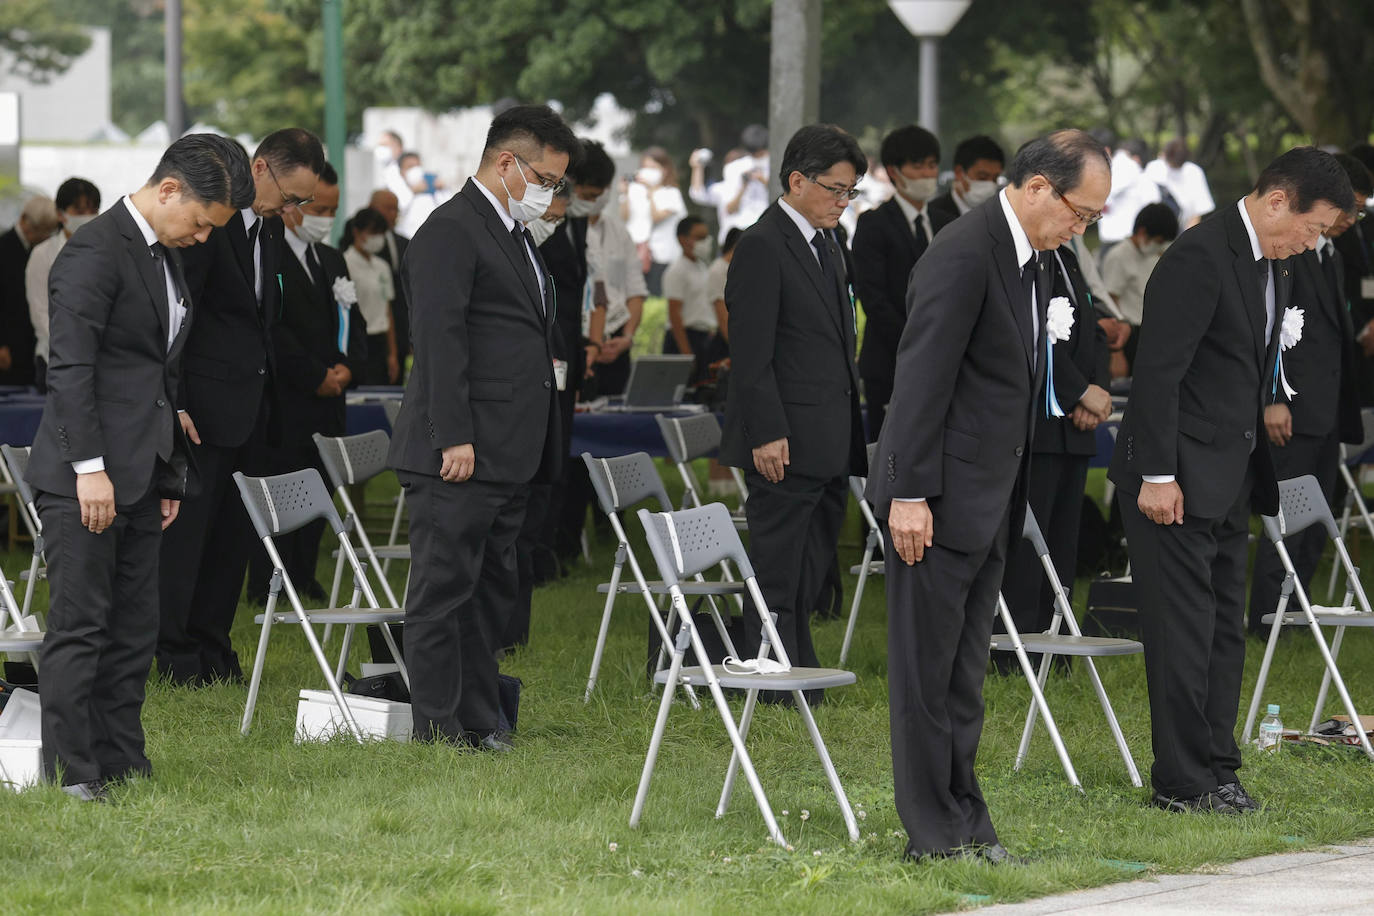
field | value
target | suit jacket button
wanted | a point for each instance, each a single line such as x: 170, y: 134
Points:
x: 1020, y: 450
x: 262, y: 371
x: 1249, y: 434
x: 161, y: 403
x: 547, y: 383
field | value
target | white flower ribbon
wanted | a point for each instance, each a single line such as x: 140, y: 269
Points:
x: 1290, y: 334
x: 1058, y: 327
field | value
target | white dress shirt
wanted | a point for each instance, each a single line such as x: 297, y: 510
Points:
x: 912, y: 213
x: 808, y: 231
x: 613, y: 262
x: 249, y: 218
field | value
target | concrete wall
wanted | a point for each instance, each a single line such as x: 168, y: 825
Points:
x: 73, y: 106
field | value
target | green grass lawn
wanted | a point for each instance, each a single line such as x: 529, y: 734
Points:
x: 261, y: 825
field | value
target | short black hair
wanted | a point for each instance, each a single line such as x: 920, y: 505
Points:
x: 908, y: 144
x: 328, y: 175
x: 1104, y: 135
x: 754, y: 138
x: 816, y: 147
x: 1308, y: 175
x: 594, y: 168
x: 1136, y: 148
x: 1361, y: 178
x: 687, y: 224
x: 198, y: 162
x: 409, y: 154
x: 369, y: 220
x: 75, y: 190
x: 1365, y: 153
x: 538, y: 126
x: 292, y: 148
x: 1060, y: 156
x: 975, y: 148
x: 242, y: 190
x: 1158, y: 221
x: 731, y: 240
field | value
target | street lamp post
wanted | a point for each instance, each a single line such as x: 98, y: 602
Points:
x: 929, y: 20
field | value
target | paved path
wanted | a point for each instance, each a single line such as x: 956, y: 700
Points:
x: 1338, y: 879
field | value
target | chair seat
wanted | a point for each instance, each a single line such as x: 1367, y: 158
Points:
x: 339, y: 615
x: 24, y: 574
x: 796, y: 679
x: 1084, y: 646
x: 875, y: 568
x: 1326, y: 617
x: 383, y: 552
x: 657, y: 587
x: 11, y: 641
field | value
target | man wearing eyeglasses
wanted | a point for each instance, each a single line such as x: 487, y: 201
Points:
x: 951, y: 471
x: 480, y: 420
x: 226, y: 408
x: 792, y: 419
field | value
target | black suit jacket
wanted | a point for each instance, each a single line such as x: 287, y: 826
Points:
x: 306, y: 343
x: 229, y: 357
x: 16, y: 330
x: 884, y: 255
x: 792, y: 370
x: 565, y: 254
x: 400, y: 310
x: 1080, y: 361
x: 1321, y: 368
x: 1357, y: 257
x: 1203, y: 372
x: 483, y: 371
x: 958, y: 428
x: 944, y: 206
x: 112, y: 381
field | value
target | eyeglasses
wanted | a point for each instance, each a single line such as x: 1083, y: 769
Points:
x: 1087, y: 219
x: 837, y: 193
x: 287, y: 201
x: 556, y: 185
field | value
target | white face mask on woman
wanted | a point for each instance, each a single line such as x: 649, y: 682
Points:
x: 650, y: 175
x: 75, y: 222
x: 373, y: 244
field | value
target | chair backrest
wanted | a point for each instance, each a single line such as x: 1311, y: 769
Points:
x: 353, y: 459
x: 17, y: 460
x: 1302, y: 504
x: 1030, y: 530
x: 281, y: 504
x: 693, y: 540
x: 623, y: 481
x: 691, y: 437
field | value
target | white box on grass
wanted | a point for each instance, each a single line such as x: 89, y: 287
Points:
x: 318, y: 717
x: 21, y: 762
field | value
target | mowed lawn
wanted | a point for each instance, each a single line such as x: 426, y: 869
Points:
x: 263, y: 825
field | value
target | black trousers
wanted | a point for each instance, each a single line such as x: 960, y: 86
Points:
x: 794, y: 528
x: 1190, y: 585
x: 204, y: 558
x: 1057, y: 482
x: 528, y: 553
x: 375, y: 371
x: 102, y: 629
x: 1316, y: 455
x: 463, y: 586
x: 939, y: 624
x: 877, y: 393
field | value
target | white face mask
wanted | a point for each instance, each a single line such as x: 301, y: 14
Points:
x: 373, y: 243
x: 650, y: 175
x: 701, y: 250
x: 317, y: 228
x: 917, y: 189
x: 541, y: 230
x: 415, y: 175
x: 535, y: 202
x: 579, y: 207
x: 979, y: 191
x: 75, y: 222
x: 1153, y: 249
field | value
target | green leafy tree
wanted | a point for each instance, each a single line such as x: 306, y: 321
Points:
x: 38, y: 43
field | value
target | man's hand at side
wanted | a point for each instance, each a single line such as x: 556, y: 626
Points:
x: 459, y: 462
x: 170, y: 508
x: 95, y: 493
x: 771, y: 458
x: 1278, y: 423
x: 188, y: 427
x: 1161, y: 503
x: 912, y: 528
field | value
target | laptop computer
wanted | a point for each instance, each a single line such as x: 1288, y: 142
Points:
x: 656, y: 382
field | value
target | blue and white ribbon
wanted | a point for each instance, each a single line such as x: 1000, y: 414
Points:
x: 1052, y: 408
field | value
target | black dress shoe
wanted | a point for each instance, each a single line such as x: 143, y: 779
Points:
x: 93, y: 791
x: 1206, y: 803
x: 1234, y: 794
x: 496, y: 742
x: 997, y: 854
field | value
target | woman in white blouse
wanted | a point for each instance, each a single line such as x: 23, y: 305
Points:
x: 651, y: 206
x: 364, y: 237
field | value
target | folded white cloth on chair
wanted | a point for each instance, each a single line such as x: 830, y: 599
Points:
x: 1346, y: 611
x: 734, y: 665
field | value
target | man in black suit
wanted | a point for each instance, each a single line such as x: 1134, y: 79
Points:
x: 109, y: 464
x: 951, y: 473
x: 1305, y: 431
x: 978, y: 164
x: 318, y: 340
x: 887, y: 243
x: 1193, y: 429
x: 792, y: 419
x: 227, y: 408
x: 479, y: 421
x: 1356, y: 249
x: 1060, y: 448
x: 37, y: 221
x: 393, y: 251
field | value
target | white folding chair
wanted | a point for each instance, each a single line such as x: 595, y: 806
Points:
x: 352, y: 460
x: 16, y: 462
x: 1301, y: 505
x: 872, y: 563
x: 285, y: 503
x: 690, y: 438
x: 1051, y: 643
x: 22, y: 635
x: 691, y: 541
x: 1354, y: 493
x: 621, y: 483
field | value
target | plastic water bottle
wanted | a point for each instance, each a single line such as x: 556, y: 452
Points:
x: 1271, y: 729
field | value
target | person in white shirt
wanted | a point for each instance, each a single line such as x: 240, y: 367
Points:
x: 78, y: 202
x: 1127, y: 267
x: 691, y: 318
x: 1132, y: 189
x: 364, y: 237
x: 1184, y: 180
x: 651, y: 207
x: 718, y: 195
x: 418, y: 192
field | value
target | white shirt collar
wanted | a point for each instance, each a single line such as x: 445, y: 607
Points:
x: 144, y: 226
x: 296, y: 244
x: 959, y: 202
x: 506, y: 219
x: 808, y: 231
x: 249, y: 218
x: 908, y: 209
x: 1249, y: 229
x: 1024, y: 251
x: 1324, y: 248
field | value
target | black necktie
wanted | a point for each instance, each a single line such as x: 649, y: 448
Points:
x: 525, y: 240
x: 918, y: 224
x: 818, y: 242
x: 253, y: 233
x: 1028, y: 274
